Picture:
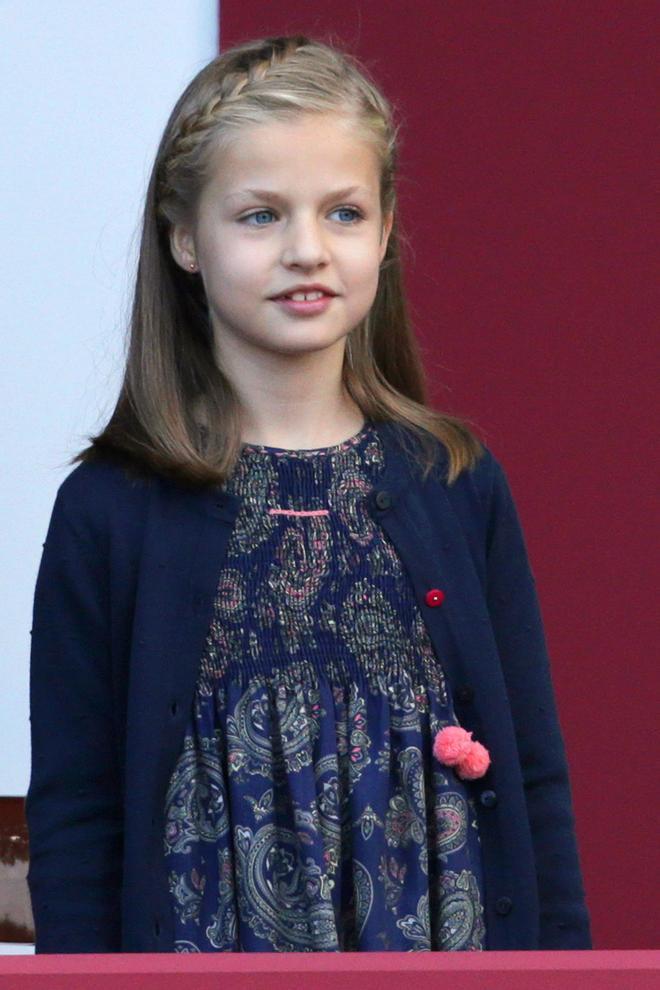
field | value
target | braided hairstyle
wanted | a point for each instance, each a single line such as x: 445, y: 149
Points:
x: 255, y: 82
x: 173, y: 386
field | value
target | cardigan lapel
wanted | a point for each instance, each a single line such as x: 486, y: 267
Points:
x: 184, y: 543
x: 427, y: 534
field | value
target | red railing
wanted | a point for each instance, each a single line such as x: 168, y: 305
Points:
x: 575, y: 970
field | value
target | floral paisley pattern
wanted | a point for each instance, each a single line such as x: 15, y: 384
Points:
x: 306, y: 811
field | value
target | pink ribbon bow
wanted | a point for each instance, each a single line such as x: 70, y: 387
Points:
x: 455, y: 747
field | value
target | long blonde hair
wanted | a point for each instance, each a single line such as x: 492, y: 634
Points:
x: 172, y: 381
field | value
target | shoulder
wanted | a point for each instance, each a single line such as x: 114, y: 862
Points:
x: 479, y: 497
x: 98, y: 496
x: 483, y: 475
x: 476, y: 485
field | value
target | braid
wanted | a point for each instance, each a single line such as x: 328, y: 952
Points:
x: 248, y: 84
x: 245, y: 68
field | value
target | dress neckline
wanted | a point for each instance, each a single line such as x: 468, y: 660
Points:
x: 309, y: 451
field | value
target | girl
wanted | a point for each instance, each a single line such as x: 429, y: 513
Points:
x: 289, y: 683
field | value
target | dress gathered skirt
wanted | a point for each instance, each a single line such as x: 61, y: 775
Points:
x: 306, y: 811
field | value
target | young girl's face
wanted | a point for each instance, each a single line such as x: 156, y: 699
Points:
x: 303, y: 225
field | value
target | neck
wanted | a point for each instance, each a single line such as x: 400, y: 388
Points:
x: 292, y: 401
x: 318, y: 428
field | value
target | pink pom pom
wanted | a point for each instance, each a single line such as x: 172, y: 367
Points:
x: 452, y: 744
x: 475, y: 763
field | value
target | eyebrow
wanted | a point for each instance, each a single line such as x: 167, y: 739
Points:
x: 277, y: 198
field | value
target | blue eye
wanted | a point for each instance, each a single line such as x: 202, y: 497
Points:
x: 357, y: 216
x: 249, y: 216
x: 350, y: 209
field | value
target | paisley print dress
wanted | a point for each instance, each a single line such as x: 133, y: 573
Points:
x: 306, y: 811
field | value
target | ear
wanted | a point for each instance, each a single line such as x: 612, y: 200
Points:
x: 182, y: 246
x: 388, y: 220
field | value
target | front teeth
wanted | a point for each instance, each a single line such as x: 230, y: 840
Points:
x: 303, y: 296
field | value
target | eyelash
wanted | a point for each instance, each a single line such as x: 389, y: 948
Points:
x: 358, y: 216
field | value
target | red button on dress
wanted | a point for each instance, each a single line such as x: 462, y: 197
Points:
x: 435, y: 597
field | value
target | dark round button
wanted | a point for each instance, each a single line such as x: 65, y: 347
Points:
x: 503, y: 905
x: 488, y: 799
x: 156, y: 927
x: 174, y: 707
x: 383, y: 500
x: 465, y: 693
x: 434, y: 597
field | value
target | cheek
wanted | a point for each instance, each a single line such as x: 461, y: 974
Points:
x: 361, y: 260
x: 228, y: 267
x: 246, y: 266
x: 362, y: 275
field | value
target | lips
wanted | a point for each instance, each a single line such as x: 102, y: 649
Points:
x: 315, y: 292
x: 305, y: 307
x: 305, y: 288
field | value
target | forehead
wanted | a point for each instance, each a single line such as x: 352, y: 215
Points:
x: 315, y: 152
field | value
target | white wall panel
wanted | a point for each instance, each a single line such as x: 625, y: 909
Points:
x: 85, y: 90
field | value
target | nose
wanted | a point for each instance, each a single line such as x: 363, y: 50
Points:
x: 304, y: 243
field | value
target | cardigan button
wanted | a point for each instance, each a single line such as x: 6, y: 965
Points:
x: 503, y: 905
x: 488, y: 799
x: 174, y: 707
x: 465, y: 694
x: 383, y: 500
x: 434, y: 597
x: 156, y: 928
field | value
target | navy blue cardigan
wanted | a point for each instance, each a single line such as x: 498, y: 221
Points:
x: 122, y: 607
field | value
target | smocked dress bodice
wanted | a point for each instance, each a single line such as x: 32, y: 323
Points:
x: 306, y: 811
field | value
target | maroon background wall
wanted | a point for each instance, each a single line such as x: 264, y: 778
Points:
x: 529, y: 138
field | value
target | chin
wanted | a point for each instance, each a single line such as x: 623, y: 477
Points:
x: 301, y: 339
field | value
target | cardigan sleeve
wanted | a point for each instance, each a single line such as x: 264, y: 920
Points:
x: 73, y: 806
x: 515, y: 612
